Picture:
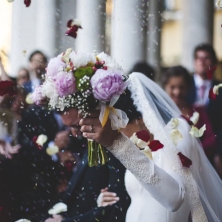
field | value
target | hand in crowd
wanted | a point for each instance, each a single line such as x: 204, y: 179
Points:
x: 106, y: 198
x: 62, y: 139
x: 56, y: 218
x: 92, y: 129
x: 8, y: 150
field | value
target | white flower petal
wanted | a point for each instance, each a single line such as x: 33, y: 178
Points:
x: 219, y: 3
x: 176, y: 136
x: 52, y: 150
x: 216, y: 89
x: 23, y: 220
x: 195, y: 132
x: 58, y: 208
x: 76, y: 22
x: 41, y: 139
x: 147, y: 152
x: 141, y: 144
x: 195, y: 117
x: 134, y: 138
x: 174, y: 123
x: 28, y: 99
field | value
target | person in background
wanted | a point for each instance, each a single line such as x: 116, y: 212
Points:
x: 177, y: 82
x: 144, y: 68
x: 205, y: 61
x: 23, y: 76
x: 37, y: 65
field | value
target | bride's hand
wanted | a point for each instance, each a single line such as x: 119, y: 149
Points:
x: 106, y: 198
x: 92, y: 129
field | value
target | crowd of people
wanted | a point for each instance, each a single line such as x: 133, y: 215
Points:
x: 32, y: 181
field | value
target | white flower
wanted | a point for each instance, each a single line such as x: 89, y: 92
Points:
x: 28, y: 99
x: 80, y: 59
x: 147, y: 152
x: 23, y: 220
x: 65, y: 57
x: 216, y: 89
x: 174, y: 123
x: 52, y: 150
x: 76, y: 22
x: 58, y: 208
x: 49, y: 88
x: 195, y: 132
x: 219, y: 3
x: 195, y: 117
x: 110, y: 63
x: 41, y: 139
x: 176, y: 136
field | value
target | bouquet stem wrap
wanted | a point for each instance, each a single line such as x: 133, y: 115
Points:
x: 119, y: 119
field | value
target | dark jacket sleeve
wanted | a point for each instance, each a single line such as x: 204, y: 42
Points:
x: 116, y: 212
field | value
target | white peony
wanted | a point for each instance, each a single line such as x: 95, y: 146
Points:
x: 110, y: 63
x: 195, y: 132
x: 52, y: 150
x: 49, y: 88
x: 195, y: 117
x: 58, y: 208
x: 41, y: 139
x: 174, y: 123
x: 175, y: 136
x: 79, y: 59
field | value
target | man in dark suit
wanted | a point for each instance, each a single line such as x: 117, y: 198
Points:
x: 205, y: 61
x: 87, y: 182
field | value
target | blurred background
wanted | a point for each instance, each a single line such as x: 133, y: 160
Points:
x: 160, y: 32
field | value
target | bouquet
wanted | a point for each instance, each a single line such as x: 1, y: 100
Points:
x: 85, y: 82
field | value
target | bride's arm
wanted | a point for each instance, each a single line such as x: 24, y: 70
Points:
x: 161, y: 186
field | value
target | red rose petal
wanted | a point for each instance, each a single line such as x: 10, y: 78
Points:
x: 210, y: 72
x: 69, y: 165
x: 188, y: 120
x: 155, y: 145
x: 72, y: 31
x: 27, y: 3
x: 143, y: 135
x: 212, y: 95
x: 186, y: 162
x: 69, y: 23
x: 7, y: 87
x: 34, y: 141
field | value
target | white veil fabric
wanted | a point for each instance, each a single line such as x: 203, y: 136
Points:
x: 202, y: 184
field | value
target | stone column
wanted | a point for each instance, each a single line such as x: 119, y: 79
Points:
x: 46, y: 23
x: 91, y: 14
x: 128, y: 26
x: 154, y: 36
x: 197, y: 27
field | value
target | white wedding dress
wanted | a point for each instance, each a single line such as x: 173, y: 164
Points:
x: 162, y: 189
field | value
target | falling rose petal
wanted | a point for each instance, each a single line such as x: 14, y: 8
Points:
x: 155, y: 145
x: 134, y: 138
x: 23, y: 220
x: 186, y: 162
x: 72, y: 31
x: 27, y: 3
x: 147, y: 152
x: 219, y: 3
x: 174, y: 122
x: 58, y: 208
x: 69, y: 165
x: 210, y: 72
x: 69, y: 23
x: 212, y: 95
x: 188, y: 120
x: 10, y: 0
x: 7, y: 87
x: 141, y: 144
x: 34, y: 141
x: 195, y: 132
x: 143, y: 135
x: 195, y: 118
x: 216, y: 89
x: 41, y: 139
x: 28, y: 99
x: 175, y: 136
x: 52, y: 150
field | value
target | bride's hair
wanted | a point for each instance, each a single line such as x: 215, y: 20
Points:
x: 125, y: 103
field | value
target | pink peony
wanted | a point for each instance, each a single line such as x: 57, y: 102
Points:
x: 106, y: 84
x: 54, y: 67
x: 37, y: 96
x: 65, y: 83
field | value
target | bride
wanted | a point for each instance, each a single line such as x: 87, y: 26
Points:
x: 165, y: 188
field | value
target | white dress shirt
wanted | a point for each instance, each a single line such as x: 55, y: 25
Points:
x: 202, y: 97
